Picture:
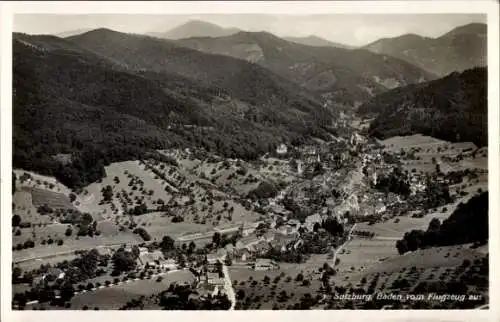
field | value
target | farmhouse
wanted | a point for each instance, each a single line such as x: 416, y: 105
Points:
x: 156, y: 259
x: 247, y: 241
x: 206, y: 290
x: 283, y: 242
x: 213, y: 278
x: 53, y: 273
x: 243, y: 255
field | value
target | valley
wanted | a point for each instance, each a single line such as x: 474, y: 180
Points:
x: 214, y: 168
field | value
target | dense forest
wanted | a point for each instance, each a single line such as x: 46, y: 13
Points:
x: 69, y: 101
x: 467, y: 224
x: 453, y: 108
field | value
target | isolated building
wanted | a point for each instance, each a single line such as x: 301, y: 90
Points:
x: 151, y: 259
x: 282, y: 149
x: 53, y: 273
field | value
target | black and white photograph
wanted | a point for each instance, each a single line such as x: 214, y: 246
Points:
x: 248, y: 161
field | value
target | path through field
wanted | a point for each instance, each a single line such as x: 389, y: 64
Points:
x: 349, y: 237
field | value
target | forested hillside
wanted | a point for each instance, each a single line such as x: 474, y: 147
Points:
x: 453, y: 108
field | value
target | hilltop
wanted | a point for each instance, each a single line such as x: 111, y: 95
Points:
x: 452, y: 108
x: 195, y: 28
x: 460, y: 49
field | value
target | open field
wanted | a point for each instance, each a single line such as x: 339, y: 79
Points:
x: 427, y: 265
x: 427, y: 148
x: 40, y: 181
x: 393, y: 229
x: 37, y: 233
x: 359, y: 254
x: 128, y: 173
x: 397, y: 143
x: 52, y: 199
x: 159, y: 225
x: 447, y: 256
x: 70, y: 246
x: 23, y: 206
x: 35, y: 263
x: 116, y: 296
x: 133, y: 183
x: 253, y: 286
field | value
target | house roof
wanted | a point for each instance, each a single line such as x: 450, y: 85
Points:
x: 151, y: 257
x: 251, y: 248
x: 242, y: 251
x: 248, y: 240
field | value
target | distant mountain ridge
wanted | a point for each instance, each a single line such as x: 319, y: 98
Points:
x: 195, y: 28
x: 453, y: 108
x: 317, y: 42
x: 460, y: 49
x: 339, y: 75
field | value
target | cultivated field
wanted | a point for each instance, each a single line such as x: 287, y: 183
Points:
x: 116, y: 296
x: 396, y: 227
x: 266, y: 296
x: 429, y: 265
x: 359, y: 254
x: 426, y: 149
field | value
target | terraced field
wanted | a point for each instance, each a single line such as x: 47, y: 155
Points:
x: 54, y: 200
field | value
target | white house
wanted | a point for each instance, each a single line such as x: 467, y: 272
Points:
x: 282, y: 149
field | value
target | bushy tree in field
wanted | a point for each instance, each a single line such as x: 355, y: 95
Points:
x: 16, y: 220
x: 123, y: 261
x: 167, y: 243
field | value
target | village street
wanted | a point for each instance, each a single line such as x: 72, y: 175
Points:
x: 228, y: 284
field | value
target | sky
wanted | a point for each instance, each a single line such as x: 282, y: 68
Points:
x: 351, y: 29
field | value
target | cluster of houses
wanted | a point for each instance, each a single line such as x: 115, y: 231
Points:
x: 249, y: 248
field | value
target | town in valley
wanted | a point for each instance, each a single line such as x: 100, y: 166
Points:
x: 217, y: 168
